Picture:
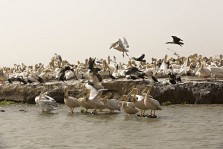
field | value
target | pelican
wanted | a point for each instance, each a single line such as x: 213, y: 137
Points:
x: 120, y: 46
x: 95, y: 97
x: 128, y: 107
x: 151, y: 103
x: 70, y: 101
x: 203, y: 71
x: 83, y: 102
x: 139, y: 103
x: 47, y: 103
x: 111, y: 104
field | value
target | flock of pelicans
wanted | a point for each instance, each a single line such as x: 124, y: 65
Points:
x: 93, y: 71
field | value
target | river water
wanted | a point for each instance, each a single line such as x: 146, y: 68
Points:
x: 177, y: 126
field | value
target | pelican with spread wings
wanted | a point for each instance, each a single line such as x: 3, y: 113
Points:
x: 121, y: 46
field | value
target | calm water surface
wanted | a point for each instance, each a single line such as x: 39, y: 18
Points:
x: 177, y: 126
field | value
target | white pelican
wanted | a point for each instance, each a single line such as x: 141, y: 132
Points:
x: 83, y: 102
x: 151, y: 103
x: 111, y: 104
x: 47, y: 103
x: 139, y: 103
x: 95, y: 97
x: 70, y: 101
x: 128, y: 107
x: 120, y: 46
x: 203, y: 72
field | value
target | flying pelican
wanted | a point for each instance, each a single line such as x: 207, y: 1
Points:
x: 176, y: 40
x: 47, y: 103
x: 120, y: 46
x: 70, y: 101
x: 151, y: 103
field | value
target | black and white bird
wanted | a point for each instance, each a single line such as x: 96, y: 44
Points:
x: 176, y: 40
x: 61, y: 75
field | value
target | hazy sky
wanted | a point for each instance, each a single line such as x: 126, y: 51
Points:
x: 31, y: 31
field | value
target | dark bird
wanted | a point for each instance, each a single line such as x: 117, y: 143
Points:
x: 95, y: 70
x: 132, y: 70
x: 172, y: 78
x: 176, y: 40
x: 39, y: 79
x: 154, y: 78
x: 141, y: 58
x: 91, y: 67
x: 141, y: 75
x: 91, y: 63
x: 29, y: 81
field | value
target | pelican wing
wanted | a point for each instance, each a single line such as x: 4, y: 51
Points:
x: 114, y: 44
x: 120, y: 44
x: 125, y: 42
x: 94, y: 94
x: 49, y: 100
x: 156, y: 103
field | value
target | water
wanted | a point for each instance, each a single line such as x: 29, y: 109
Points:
x: 177, y: 126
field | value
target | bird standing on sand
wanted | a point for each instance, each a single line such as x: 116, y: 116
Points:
x: 176, y: 40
